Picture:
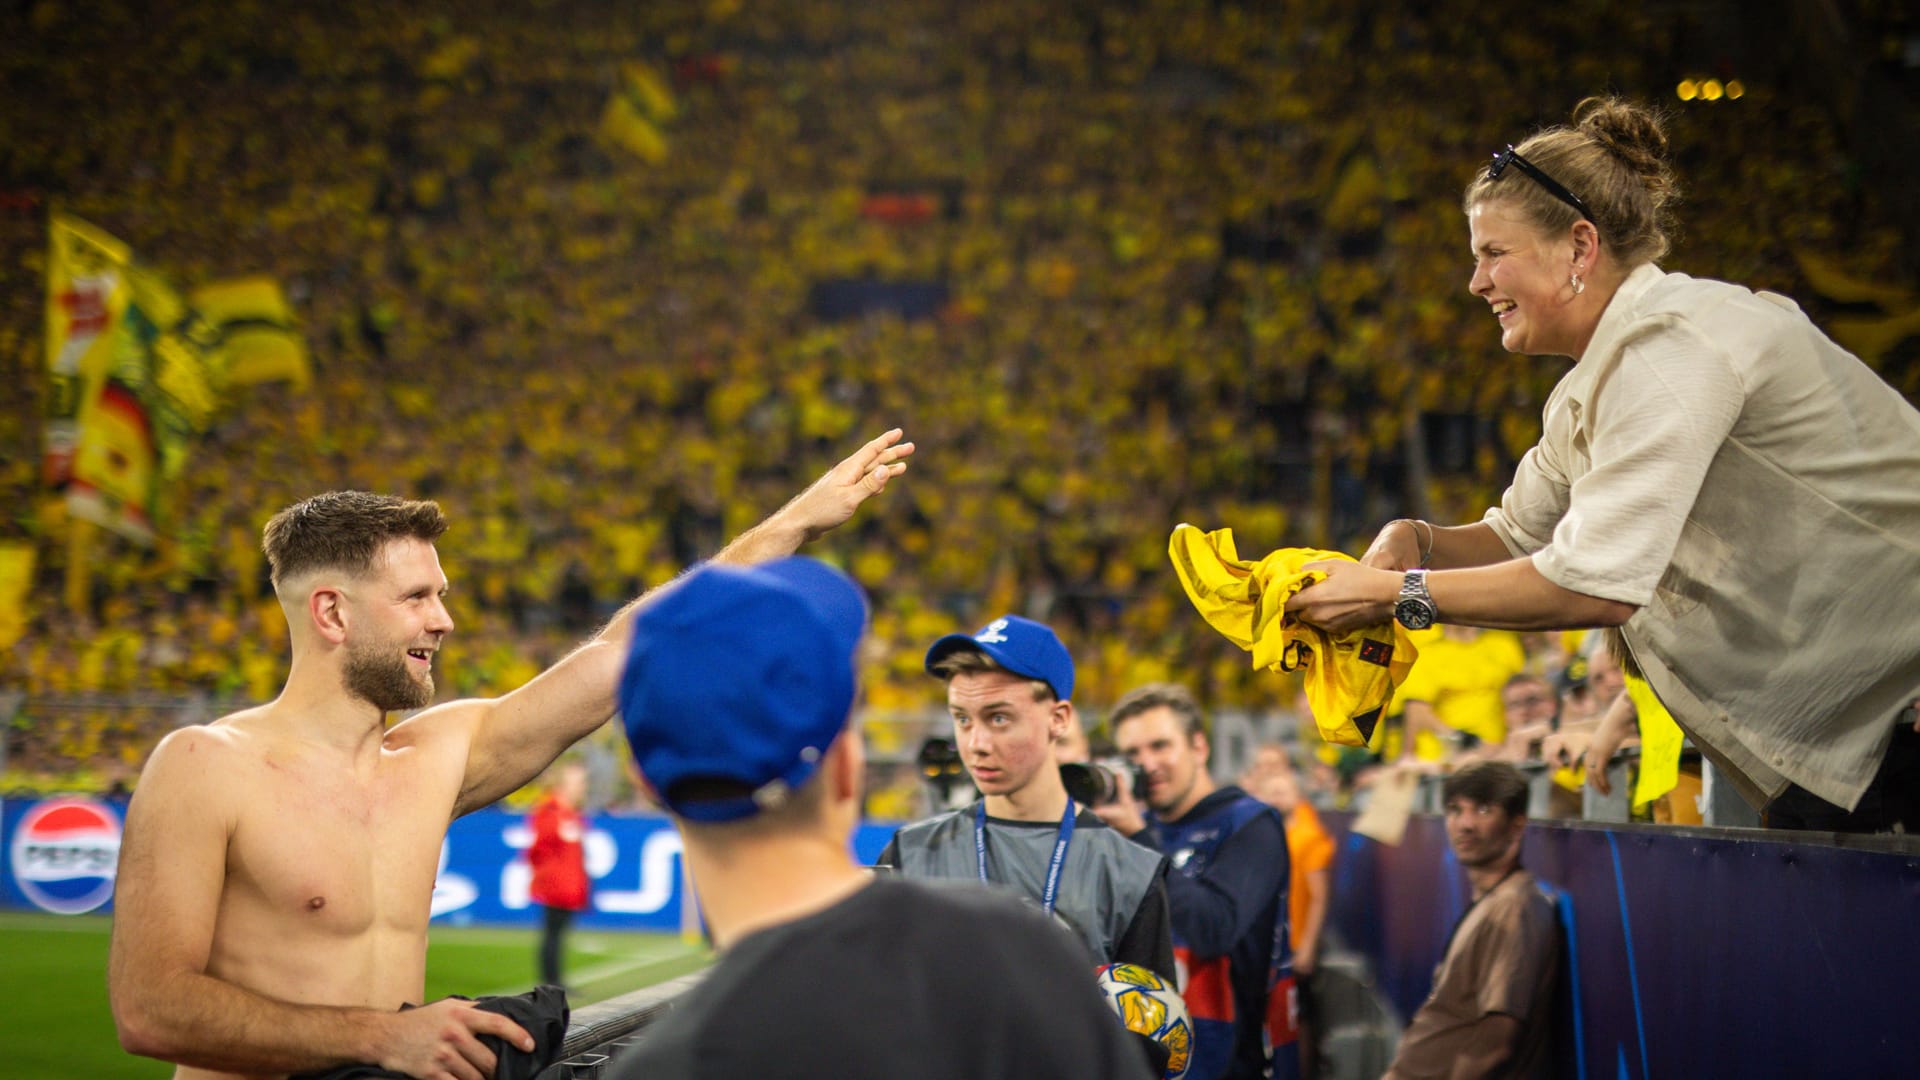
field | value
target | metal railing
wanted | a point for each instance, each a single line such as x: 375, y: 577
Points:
x: 1720, y: 803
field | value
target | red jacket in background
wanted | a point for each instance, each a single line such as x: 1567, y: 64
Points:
x: 559, y: 866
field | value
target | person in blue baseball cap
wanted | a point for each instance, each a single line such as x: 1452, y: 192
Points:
x: 1009, y: 691
x: 736, y: 695
x: 738, y: 682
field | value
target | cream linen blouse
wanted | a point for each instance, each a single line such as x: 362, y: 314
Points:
x: 1755, y: 489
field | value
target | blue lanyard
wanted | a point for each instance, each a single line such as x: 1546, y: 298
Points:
x: 1054, y: 865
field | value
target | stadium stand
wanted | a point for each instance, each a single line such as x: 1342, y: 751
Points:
x: 1114, y: 265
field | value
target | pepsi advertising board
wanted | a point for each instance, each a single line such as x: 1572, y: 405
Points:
x: 61, y: 853
x: 61, y: 856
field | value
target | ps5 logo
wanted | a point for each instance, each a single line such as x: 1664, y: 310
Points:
x: 994, y: 634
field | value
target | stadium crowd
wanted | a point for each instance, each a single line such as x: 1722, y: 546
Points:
x: 1196, y: 262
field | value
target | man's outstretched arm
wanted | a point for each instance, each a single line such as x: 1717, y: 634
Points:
x: 517, y: 735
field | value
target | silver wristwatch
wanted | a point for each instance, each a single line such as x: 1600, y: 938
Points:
x: 1414, y: 610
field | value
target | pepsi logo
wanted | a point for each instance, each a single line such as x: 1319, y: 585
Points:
x: 64, y: 855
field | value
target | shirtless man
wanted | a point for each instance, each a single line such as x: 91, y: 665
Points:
x: 277, y: 868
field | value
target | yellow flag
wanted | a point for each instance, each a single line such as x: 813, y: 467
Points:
x: 16, y: 584
x: 249, y: 328
x: 453, y: 59
x: 136, y: 425
x: 639, y: 105
x: 648, y: 91
x: 1660, y: 743
x: 1872, y: 337
x: 1836, y: 282
x: 116, y: 464
x: 87, y: 294
x: 138, y: 371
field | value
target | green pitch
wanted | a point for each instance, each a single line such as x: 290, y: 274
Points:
x: 54, y: 1023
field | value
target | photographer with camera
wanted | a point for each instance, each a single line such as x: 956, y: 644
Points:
x: 1227, y: 887
x: 1009, y: 690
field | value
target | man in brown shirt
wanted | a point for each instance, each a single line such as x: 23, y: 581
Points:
x: 1490, y: 1008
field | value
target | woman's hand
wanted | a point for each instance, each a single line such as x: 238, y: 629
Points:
x: 1398, y: 547
x: 1352, y: 597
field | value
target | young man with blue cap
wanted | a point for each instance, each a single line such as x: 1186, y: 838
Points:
x: 1009, y: 690
x: 735, y: 697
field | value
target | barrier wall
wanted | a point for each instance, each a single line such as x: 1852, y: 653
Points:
x: 1694, y: 953
x: 60, y: 856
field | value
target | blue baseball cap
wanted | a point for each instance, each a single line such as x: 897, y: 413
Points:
x: 1022, y: 646
x: 741, y: 674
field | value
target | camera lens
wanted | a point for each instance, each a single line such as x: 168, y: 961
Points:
x: 1088, y: 785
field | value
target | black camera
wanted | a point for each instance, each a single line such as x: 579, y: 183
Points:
x: 942, y: 769
x: 1096, y: 783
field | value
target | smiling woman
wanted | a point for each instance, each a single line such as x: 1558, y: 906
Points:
x: 1537, y: 244
x: 1716, y: 478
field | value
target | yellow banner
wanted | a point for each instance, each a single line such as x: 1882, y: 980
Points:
x: 139, y: 371
x: 137, y: 425
x: 247, y: 324
x: 640, y: 105
x: 87, y: 295
x: 1660, y: 743
x: 16, y: 585
x: 116, y: 465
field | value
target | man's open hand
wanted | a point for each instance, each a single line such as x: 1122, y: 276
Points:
x: 834, y: 497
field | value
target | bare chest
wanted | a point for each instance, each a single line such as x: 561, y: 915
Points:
x: 330, y: 854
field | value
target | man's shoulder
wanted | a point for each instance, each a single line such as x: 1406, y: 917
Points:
x: 744, y: 1014
x: 980, y: 928
x: 929, y: 916
x: 1520, y: 904
x: 192, y: 752
x: 1131, y: 853
x: 1522, y: 888
x: 1231, y: 809
x: 964, y: 901
x: 449, y: 720
x: 928, y: 827
x: 1537, y: 897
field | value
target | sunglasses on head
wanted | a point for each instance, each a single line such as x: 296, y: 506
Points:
x: 1510, y: 156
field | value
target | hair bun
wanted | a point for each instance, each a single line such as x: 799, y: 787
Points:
x: 1635, y: 135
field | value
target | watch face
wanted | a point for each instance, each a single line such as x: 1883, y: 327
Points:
x: 1413, y: 614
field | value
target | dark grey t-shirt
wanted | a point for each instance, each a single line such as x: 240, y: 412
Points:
x: 940, y: 981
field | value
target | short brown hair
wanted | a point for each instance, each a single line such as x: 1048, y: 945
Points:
x: 1159, y: 696
x: 1615, y: 157
x: 1490, y: 783
x: 976, y: 662
x: 801, y: 809
x: 344, y: 530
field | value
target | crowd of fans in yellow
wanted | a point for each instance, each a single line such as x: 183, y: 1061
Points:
x: 1204, y: 262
